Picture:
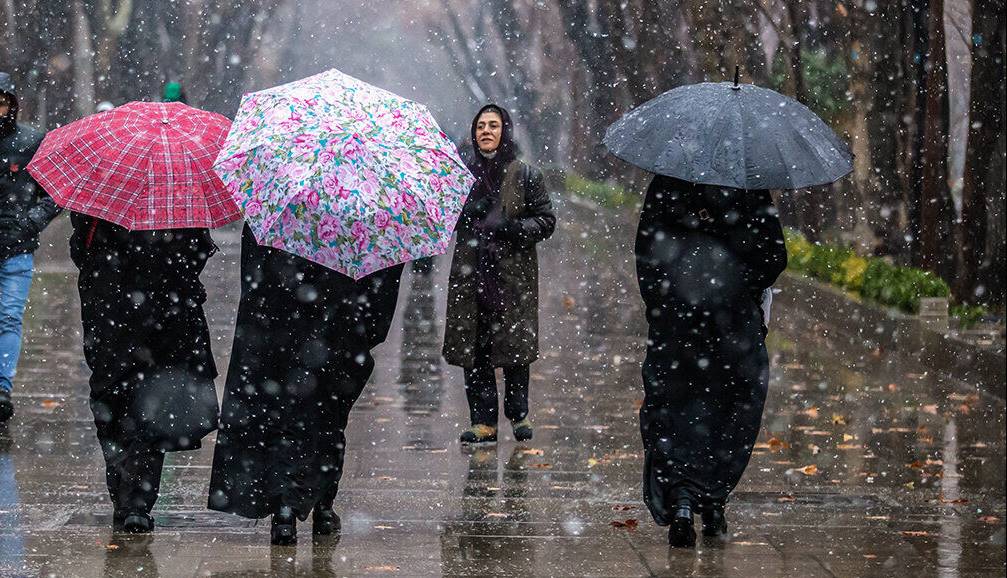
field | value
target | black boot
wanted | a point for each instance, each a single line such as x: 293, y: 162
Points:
x: 324, y: 520
x: 714, y: 521
x: 137, y: 523
x: 118, y: 519
x: 284, y: 527
x: 682, y: 534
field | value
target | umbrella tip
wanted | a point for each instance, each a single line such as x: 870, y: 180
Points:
x: 737, y: 75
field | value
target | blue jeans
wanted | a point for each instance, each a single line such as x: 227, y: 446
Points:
x: 15, y: 282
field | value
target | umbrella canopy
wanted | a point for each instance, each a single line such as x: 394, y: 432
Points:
x: 143, y: 165
x: 731, y: 135
x: 344, y: 174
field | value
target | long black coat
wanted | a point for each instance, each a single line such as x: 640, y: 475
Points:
x: 300, y: 359
x: 142, y: 314
x: 525, y: 210
x: 704, y: 255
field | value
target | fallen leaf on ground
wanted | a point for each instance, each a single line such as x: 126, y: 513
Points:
x: 838, y: 419
x: 929, y: 408
x: 848, y: 437
x: 989, y: 519
x: 50, y: 403
x: 811, y: 412
x: 849, y: 446
x: 815, y: 450
x: 569, y: 303
x: 914, y: 533
x: 532, y: 452
x: 496, y: 515
x: 809, y: 470
x: 591, y: 462
x: 893, y: 387
x: 112, y: 547
x: 388, y: 568
x: 777, y: 445
x: 944, y: 500
x: 629, y: 524
x: 786, y: 499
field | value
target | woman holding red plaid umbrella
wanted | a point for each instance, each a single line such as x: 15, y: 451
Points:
x: 139, y: 183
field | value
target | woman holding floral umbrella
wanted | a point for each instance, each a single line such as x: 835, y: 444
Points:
x: 341, y: 183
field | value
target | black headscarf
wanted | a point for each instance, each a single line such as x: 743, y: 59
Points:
x: 489, y: 171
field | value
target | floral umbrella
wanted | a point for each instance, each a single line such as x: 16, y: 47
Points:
x: 343, y: 173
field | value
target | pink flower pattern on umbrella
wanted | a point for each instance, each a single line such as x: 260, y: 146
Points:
x: 344, y: 174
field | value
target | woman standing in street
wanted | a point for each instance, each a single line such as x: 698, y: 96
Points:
x: 492, y: 315
x: 300, y: 359
x: 148, y: 347
x: 704, y: 255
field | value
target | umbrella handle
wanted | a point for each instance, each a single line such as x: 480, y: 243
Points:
x: 737, y: 74
x: 90, y: 234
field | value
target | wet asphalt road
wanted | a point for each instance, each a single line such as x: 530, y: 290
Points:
x: 866, y: 467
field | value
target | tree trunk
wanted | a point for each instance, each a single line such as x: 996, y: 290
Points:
x: 986, y: 121
x: 936, y: 210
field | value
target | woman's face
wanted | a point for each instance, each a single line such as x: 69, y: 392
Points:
x: 489, y: 129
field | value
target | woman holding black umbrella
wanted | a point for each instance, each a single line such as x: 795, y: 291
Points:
x: 709, y: 244
x: 492, y: 316
x: 704, y: 255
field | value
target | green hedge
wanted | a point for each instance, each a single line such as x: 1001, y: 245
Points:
x: 606, y: 195
x: 871, y: 277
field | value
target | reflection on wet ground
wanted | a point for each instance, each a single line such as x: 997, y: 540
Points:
x: 866, y: 466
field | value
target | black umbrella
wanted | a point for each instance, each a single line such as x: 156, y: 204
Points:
x: 732, y: 135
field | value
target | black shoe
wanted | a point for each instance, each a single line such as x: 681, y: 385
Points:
x: 523, y: 430
x: 479, y: 434
x: 682, y: 534
x: 714, y: 522
x: 324, y: 521
x: 118, y: 519
x: 137, y: 523
x: 6, y: 406
x: 284, y: 528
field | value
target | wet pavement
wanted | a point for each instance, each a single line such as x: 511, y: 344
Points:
x: 865, y: 467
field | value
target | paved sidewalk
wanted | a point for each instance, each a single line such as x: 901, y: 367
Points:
x: 866, y: 467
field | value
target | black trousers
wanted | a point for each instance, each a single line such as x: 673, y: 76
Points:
x: 481, y: 387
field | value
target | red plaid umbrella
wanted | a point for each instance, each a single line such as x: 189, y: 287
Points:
x: 143, y: 165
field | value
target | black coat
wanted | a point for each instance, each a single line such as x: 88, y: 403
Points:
x: 142, y: 315
x: 25, y: 208
x: 300, y: 358
x: 704, y: 255
x: 493, y: 285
